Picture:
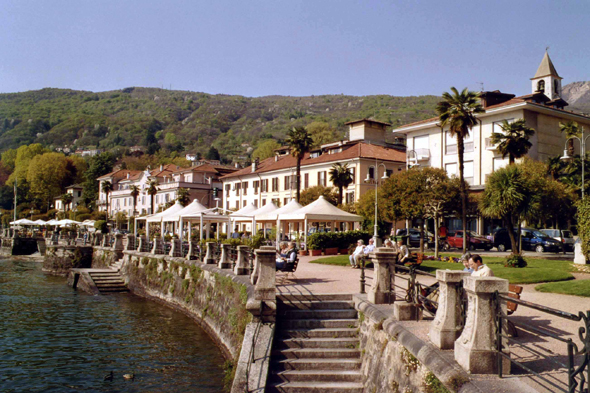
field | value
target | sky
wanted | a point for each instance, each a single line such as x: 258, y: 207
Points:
x: 297, y: 48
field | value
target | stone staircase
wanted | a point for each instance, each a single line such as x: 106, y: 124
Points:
x: 316, y: 346
x: 117, y: 265
x: 108, y: 282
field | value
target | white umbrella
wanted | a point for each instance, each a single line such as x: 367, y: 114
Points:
x: 67, y: 222
x: 40, y: 222
x: 23, y: 221
x: 52, y: 222
x: 88, y: 223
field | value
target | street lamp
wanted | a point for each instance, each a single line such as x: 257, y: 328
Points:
x: 368, y: 180
x: 566, y: 155
x: 409, y: 161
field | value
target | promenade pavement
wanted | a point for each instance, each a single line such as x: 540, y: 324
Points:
x: 541, y: 353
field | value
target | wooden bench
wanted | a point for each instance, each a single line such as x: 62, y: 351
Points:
x: 290, y: 268
x: 514, y: 292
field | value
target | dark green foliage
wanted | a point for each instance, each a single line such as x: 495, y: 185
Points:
x: 97, y: 166
x: 101, y: 225
x: 341, y: 240
x: 144, y: 116
x: 515, y: 260
x: 583, y: 218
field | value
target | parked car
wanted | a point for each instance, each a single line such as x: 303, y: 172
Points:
x: 531, y: 239
x: 474, y: 241
x: 564, y: 236
x: 415, y: 237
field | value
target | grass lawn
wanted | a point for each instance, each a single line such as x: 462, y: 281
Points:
x: 538, y: 269
x: 578, y: 288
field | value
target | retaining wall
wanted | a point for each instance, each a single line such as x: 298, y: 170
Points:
x: 60, y: 259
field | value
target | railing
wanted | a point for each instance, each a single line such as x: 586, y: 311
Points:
x: 416, y: 293
x: 577, y: 373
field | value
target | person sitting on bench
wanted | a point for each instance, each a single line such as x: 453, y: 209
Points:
x: 479, y: 269
x: 290, y: 258
x: 403, y: 253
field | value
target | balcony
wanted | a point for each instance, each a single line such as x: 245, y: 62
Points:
x: 490, y: 146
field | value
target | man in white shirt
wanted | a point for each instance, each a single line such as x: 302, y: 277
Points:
x: 370, y: 247
x: 479, y: 269
x: 356, y: 255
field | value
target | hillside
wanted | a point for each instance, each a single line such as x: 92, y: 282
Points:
x: 577, y: 94
x: 182, y: 120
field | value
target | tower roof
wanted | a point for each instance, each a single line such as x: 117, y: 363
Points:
x: 546, y: 68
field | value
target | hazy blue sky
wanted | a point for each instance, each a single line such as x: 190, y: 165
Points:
x: 257, y: 48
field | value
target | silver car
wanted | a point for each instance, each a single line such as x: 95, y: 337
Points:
x: 564, y: 236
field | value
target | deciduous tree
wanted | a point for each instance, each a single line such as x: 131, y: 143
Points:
x: 265, y: 149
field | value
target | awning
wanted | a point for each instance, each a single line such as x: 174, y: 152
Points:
x: 290, y: 207
x: 159, y: 217
x: 191, y: 208
x: 321, y: 210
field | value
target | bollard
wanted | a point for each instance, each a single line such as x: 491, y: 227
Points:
x: 118, y: 244
x: 383, y: 259
x: 475, y: 349
x: 224, y: 257
x: 209, y: 256
x: 175, y: 248
x: 446, y: 327
x: 241, y: 263
x: 192, y: 250
x: 158, y: 246
x: 263, y: 304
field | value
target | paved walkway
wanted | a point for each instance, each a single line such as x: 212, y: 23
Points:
x: 316, y: 278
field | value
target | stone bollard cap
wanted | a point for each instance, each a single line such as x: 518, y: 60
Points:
x: 384, y: 250
x: 267, y: 248
x: 242, y: 247
x: 451, y: 275
x: 262, y: 251
x: 485, y: 284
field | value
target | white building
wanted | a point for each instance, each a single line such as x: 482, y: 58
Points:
x: 430, y: 145
x: 76, y: 191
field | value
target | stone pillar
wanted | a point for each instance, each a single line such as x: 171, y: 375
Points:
x: 224, y: 262
x: 209, y: 257
x: 158, y: 246
x: 474, y: 349
x: 105, y: 241
x: 241, y: 263
x: 256, y: 272
x: 142, y: 244
x: 579, y: 257
x: 382, y: 289
x: 263, y: 304
x: 192, y: 250
x: 118, y: 244
x: 176, y: 248
x: 446, y: 327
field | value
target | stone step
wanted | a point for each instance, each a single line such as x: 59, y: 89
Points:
x: 317, y: 375
x: 113, y: 279
x: 316, y: 387
x: 333, y: 343
x: 319, y: 333
x: 315, y: 353
x: 319, y: 314
x: 315, y: 305
x: 317, y: 323
x: 317, y: 364
x: 105, y: 275
x: 107, y: 290
x: 287, y: 296
x: 110, y: 286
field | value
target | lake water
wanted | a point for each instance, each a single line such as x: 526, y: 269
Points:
x: 56, y: 339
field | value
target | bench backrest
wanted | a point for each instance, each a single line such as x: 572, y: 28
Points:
x: 514, y: 292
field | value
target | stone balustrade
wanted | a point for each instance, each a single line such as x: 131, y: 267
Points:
x: 382, y: 289
x: 210, y: 256
x: 242, y: 261
x: 224, y: 259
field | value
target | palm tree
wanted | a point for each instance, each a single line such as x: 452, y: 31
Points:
x: 554, y: 167
x: 152, y: 190
x: 134, y: 193
x: 66, y: 199
x: 183, y: 196
x: 508, y: 196
x: 341, y: 177
x: 570, y: 129
x: 514, y: 142
x: 107, y: 187
x: 457, y: 111
x: 300, y: 143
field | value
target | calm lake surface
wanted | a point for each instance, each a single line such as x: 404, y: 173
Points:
x: 56, y: 339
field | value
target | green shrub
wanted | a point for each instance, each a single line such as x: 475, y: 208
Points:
x: 341, y: 240
x: 101, y: 225
x: 515, y: 260
x: 583, y: 217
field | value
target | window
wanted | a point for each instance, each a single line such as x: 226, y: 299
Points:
x: 306, y: 180
x: 157, y: 199
x: 497, y: 126
x: 167, y: 196
x: 468, y: 172
x: 275, y: 184
x: 263, y: 202
x: 79, y: 194
x: 555, y: 87
x: 143, y: 200
x: 124, y: 201
x: 541, y: 86
x: 349, y: 197
x: 227, y: 187
x: 352, y: 174
x: 227, y: 205
x: 421, y: 144
x: 244, y: 204
x: 451, y: 169
x: 388, y: 172
x: 500, y: 163
x: 371, y: 172
x: 285, y: 201
x: 237, y: 204
x: 451, y: 143
x: 276, y: 201
x: 255, y: 184
x: 315, y: 154
x: 322, y: 178
x: 245, y: 187
x: 287, y: 183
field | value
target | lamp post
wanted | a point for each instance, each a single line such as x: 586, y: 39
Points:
x: 566, y: 155
x: 368, y: 180
x: 409, y: 163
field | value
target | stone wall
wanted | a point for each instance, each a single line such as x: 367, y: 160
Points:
x: 103, y: 257
x: 215, y: 298
x: 395, y: 361
x: 60, y: 259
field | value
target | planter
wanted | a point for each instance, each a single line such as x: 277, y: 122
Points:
x: 315, y: 253
x: 343, y: 251
x: 302, y: 253
x: 331, y: 251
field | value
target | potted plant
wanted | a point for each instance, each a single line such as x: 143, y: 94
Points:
x: 298, y: 240
x: 314, y: 245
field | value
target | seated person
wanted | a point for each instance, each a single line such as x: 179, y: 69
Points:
x: 290, y: 257
x: 479, y: 269
x: 403, y: 253
x: 370, y: 247
x: 465, y: 260
x: 283, y: 250
x: 357, y: 254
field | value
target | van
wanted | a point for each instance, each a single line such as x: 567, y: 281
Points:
x: 563, y: 236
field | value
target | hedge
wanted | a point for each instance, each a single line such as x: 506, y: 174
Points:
x: 340, y: 240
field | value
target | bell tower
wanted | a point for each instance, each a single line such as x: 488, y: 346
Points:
x: 547, y: 80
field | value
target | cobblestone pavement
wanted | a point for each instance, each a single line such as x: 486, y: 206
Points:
x: 543, y: 354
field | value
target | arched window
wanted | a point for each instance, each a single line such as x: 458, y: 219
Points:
x: 555, y: 87
x: 371, y: 172
x: 541, y: 86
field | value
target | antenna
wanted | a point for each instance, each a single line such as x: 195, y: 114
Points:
x: 480, y: 84
x: 547, y: 49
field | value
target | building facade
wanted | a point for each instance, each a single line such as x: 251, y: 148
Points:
x: 200, y: 180
x: 367, y: 154
x: 431, y: 145
x: 75, y: 191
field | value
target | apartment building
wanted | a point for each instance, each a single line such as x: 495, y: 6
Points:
x: 200, y: 180
x: 431, y: 145
x: 367, y: 154
x: 75, y: 191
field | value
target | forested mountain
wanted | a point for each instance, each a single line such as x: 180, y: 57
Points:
x: 182, y: 120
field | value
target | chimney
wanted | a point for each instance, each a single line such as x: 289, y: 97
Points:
x: 255, y: 165
x: 276, y: 157
x: 237, y: 166
x: 161, y: 167
x: 127, y: 175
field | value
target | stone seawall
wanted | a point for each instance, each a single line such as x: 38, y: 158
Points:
x: 60, y: 259
x: 214, y: 297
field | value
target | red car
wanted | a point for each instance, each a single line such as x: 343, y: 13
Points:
x: 474, y: 241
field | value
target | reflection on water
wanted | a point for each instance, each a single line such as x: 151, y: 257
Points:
x: 55, y: 339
